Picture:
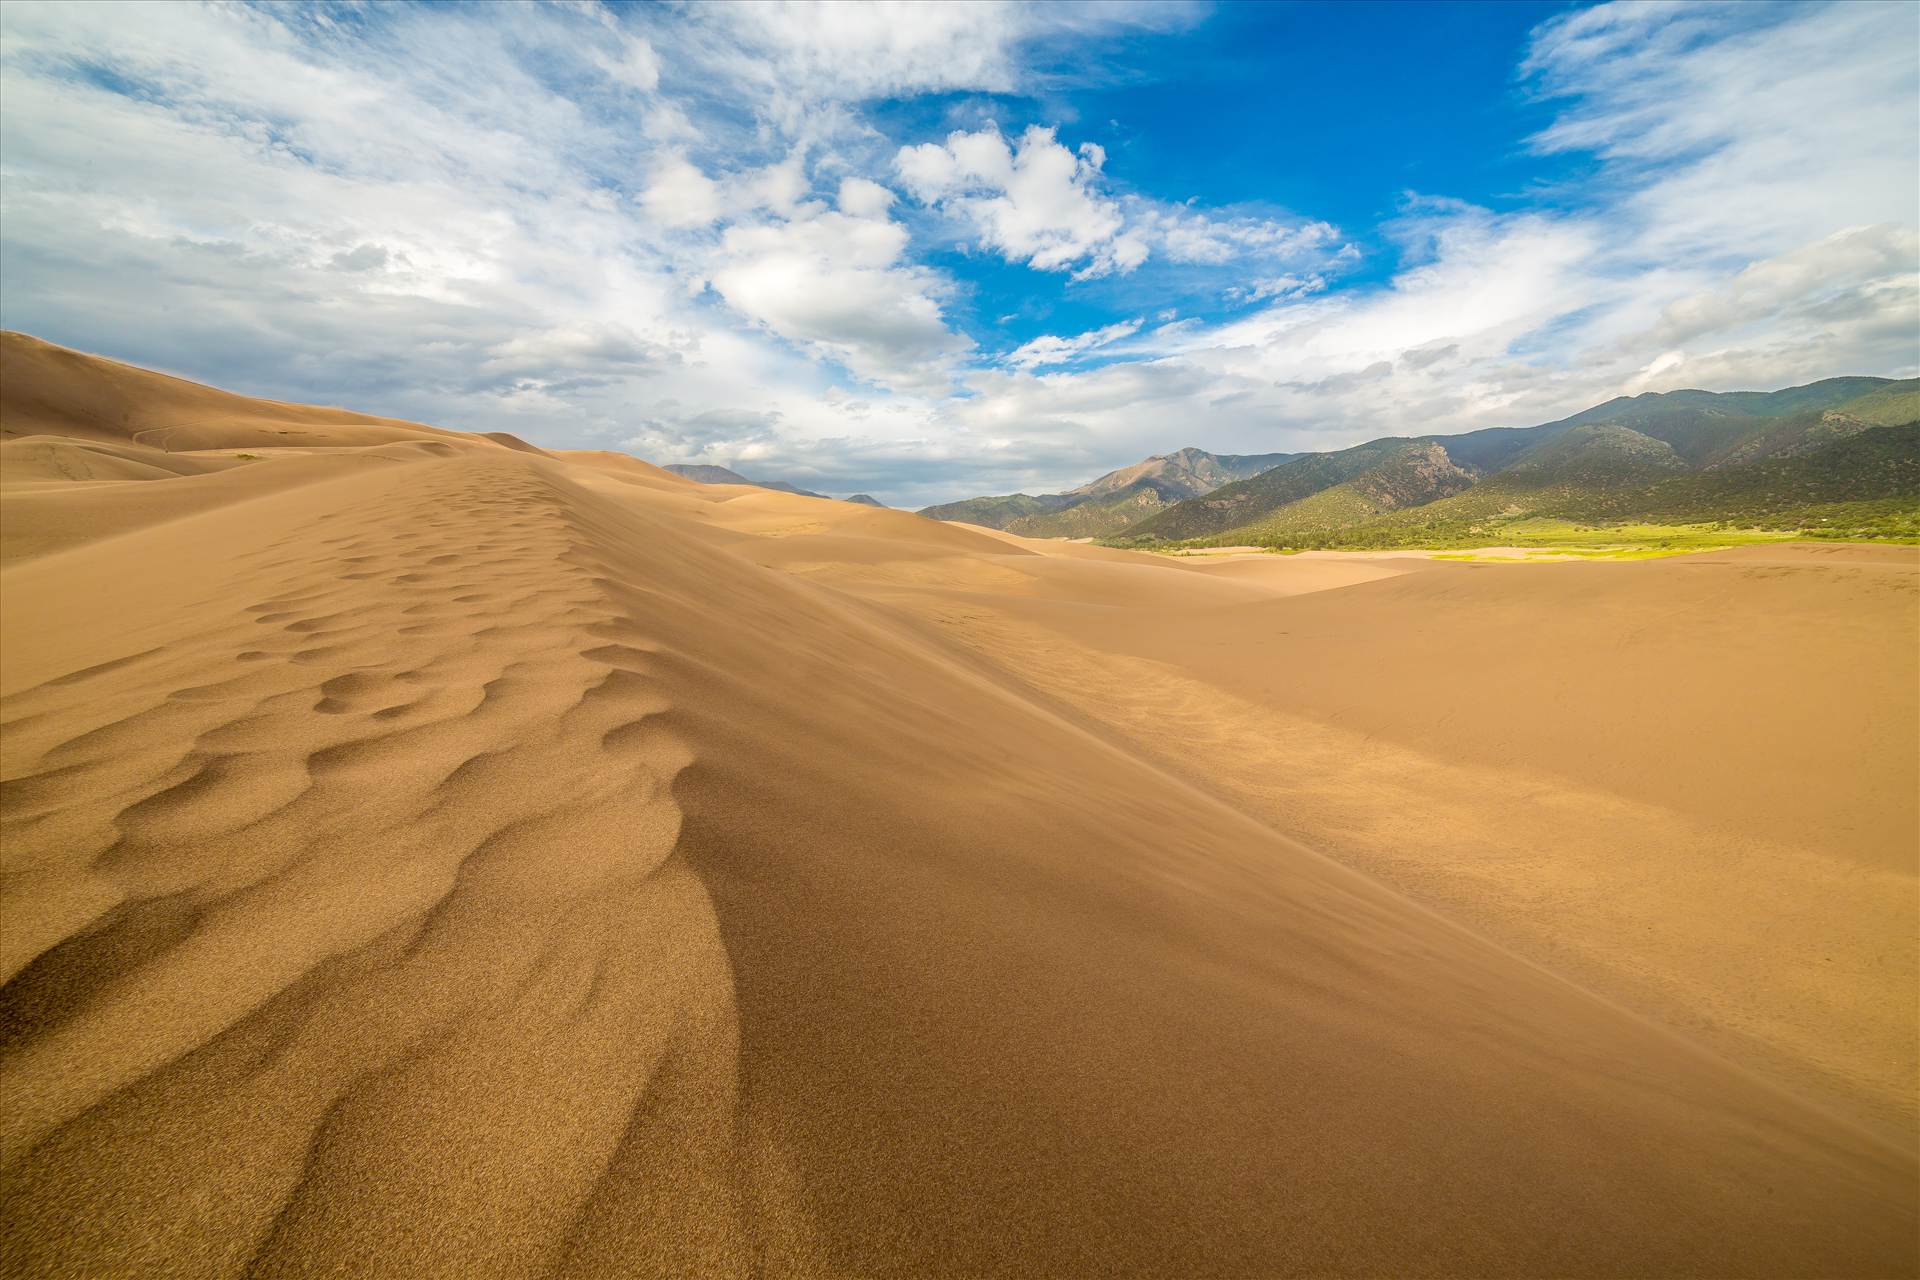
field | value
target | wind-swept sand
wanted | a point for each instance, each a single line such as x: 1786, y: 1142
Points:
x: 424, y: 854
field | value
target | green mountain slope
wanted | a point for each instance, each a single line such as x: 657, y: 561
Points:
x: 1411, y: 473
x: 1879, y: 464
x: 1113, y: 501
x: 1865, y: 484
x: 1099, y: 516
x: 1707, y: 428
x: 997, y: 513
x: 1862, y: 485
x: 1184, y: 473
x: 1245, y: 501
x: 1594, y: 455
x: 1887, y: 406
x: 1774, y: 458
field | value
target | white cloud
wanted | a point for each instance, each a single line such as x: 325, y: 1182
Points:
x: 860, y: 198
x: 1034, y: 202
x: 1048, y: 349
x: 797, y: 54
x: 681, y: 195
x: 835, y: 283
x: 1855, y: 263
x: 1183, y: 234
x: 1039, y: 203
x: 1281, y: 286
x: 780, y: 186
x: 1746, y: 129
x: 632, y: 63
x: 854, y: 51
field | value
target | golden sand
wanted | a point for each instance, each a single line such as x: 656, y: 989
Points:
x: 429, y: 855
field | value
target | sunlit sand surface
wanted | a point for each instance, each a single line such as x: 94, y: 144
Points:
x: 427, y: 854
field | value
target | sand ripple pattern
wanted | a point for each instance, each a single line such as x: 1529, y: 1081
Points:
x: 385, y: 910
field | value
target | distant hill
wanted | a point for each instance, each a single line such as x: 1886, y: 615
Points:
x: 866, y: 500
x: 1838, y: 455
x: 784, y: 487
x: 1244, y: 501
x: 1117, y: 500
x: 1861, y: 484
x: 721, y: 475
x: 706, y: 475
x: 997, y: 513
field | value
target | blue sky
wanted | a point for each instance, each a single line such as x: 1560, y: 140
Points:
x: 1342, y: 139
x: 930, y: 250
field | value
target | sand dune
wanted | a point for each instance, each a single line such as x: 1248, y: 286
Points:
x: 1688, y: 783
x: 430, y: 856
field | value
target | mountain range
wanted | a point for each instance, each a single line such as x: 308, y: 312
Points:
x: 723, y: 475
x: 1117, y: 501
x: 1839, y: 456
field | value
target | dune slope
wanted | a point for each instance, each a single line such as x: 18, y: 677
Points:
x: 473, y: 861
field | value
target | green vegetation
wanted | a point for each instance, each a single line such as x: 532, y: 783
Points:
x: 1238, y: 504
x: 1094, y: 518
x: 996, y: 513
x: 1886, y: 404
x: 1886, y: 520
x: 1626, y: 541
x: 1386, y: 476
x: 1619, y: 479
x: 1639, y: 475
x: 1553, y: 539
x: 1114, y: 502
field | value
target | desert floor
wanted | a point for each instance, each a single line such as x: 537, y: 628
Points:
x: 425, y: 854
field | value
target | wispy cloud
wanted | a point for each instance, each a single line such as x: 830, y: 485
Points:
x: 1048, y: 349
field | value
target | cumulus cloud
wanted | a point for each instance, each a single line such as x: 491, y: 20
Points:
x: 1033, y: 201
x: 861, y: 198
x: 680, y: 194
x: 1037, y: 202
x: 834, y: 282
